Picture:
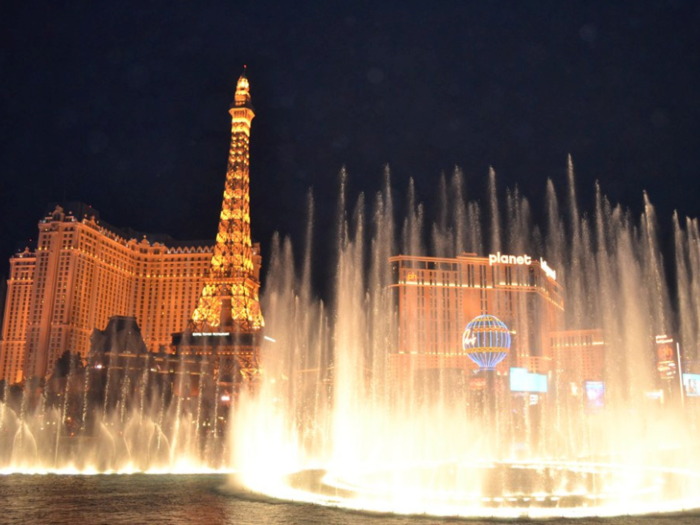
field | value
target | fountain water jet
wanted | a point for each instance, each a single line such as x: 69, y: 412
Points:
x: 331, y: 423
x: 384, y: 445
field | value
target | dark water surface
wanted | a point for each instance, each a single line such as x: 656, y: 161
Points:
x: 193, y: 499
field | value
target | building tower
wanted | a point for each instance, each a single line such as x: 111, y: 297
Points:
x: 223, y: 335
x: 229, y: 300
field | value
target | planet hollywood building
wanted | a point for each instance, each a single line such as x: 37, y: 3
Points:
x: 437, y: 297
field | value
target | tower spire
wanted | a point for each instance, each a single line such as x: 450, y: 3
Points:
x: 229, y: 300
x: 242, y: 96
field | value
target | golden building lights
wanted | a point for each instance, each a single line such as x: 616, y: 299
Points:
x: 83, y: 272
x: 229, y: 299
x: 436, y: 297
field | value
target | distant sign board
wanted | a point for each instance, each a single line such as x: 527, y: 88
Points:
x: 655, y: 395
x: 595, y: 394
x: 523, y: 381
x: 666, y: 357
x: 691, y: 383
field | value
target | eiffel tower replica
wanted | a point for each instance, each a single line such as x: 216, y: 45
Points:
x: 227, y: 323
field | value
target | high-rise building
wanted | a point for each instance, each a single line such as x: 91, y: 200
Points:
x: 84, y: 271
x: 579, y: 355
x: 16, y: 315
x: 437, y: 297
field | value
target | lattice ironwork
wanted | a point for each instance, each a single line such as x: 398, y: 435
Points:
x: 229, y: 300
x: 243, y: 366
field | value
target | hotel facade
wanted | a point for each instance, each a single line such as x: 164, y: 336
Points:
x: 437, y: 297
x: 83, y: 272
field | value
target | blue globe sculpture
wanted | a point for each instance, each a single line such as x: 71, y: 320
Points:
x: 486, y: 340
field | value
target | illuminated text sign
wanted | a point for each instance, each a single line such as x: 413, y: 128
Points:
x: 498, y: 257
x: 509, y: 259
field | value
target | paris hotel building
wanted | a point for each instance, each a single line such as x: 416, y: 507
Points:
x: 84, y: 271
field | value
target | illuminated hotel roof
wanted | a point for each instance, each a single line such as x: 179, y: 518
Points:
x: 79, y: 210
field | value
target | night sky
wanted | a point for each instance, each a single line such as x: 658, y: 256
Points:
x: 124, y: 105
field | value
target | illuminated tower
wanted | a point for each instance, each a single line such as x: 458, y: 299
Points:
x: 229, y: 300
